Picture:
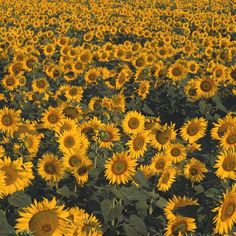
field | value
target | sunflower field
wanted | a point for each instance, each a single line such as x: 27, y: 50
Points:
x: 117, y: 117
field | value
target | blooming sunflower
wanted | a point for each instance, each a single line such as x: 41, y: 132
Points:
x: 226, y: 165
x: 177, y: 152
x: 206, y: 87
x: 31, y: 141
x: 10, y: 82
x: 91, y: 76
x: 162, y: 136
x: 180, y: 226
x: 138, y: 144
x: 40, y: 85
x: 226, y: 212
x: 167, y: 178
x: 120, y: 168
x: 228, y: 140
x: 18, y: 175
x: 74, y: 93
x: 9, y: 120
x: 232, y: 75
x: 146, y: 170
x: 190, y: 90
x: 143, y: 89
x: 43, y: 218
x: 193, y: 129
x: 133, y: 122
x: 177, y: 202
x: 65, y: 125
x: 2, y: 184
x: 50, y: 168
x: 194, y: 170
x: 176, y: 72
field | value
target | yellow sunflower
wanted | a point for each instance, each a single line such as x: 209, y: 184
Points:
x: 180, y: 226
x: 190, y: 90
x: 176, y: 72
x: 9, y: 120
x: 2, y: 151
x: 146, y: 170
x: 120, y: 168
x: 40, y: 85
x: 109, y: 133
x: 133, y: 122
x: 159, y: 162
x: 91, y: 76
x: 10, y: 82
x: 167, y: 178
x: 194, y: 170
x: 65, y: 125
x: 2, y: 184
x: 43, y: 218
x: 161, y: 137
x: 50, y: 168
x: 71, y: 111
x: 228, y: 140
x: 18, y: 175
x: 31, y: 141
x: 206, y: 87
x: 232, y: 75
x: 74, y: 93
x: 193, y: 129
x: 226, y: 165
x: 138, y: 144
x: 226, y: 213
x: 177, y: 152
x: 177, y: 202
x: 143, y: 89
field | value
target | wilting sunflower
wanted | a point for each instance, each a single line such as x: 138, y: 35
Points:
x: 9, y: 120
x: 194, y: 170
x: 206, y: 87
x: 228, y: 140
x: 167, y: 178
x: 120, y: 168
x: 162, y: 136
x: 177, y: 202
x: 180, y: 226
x: 226, y: 165
x: 193, y: 129
x: 177, y: 152
x: 109, y: 133
x: 18, y: 175
x: 133, y: 122
x: 50, y: 168
x: 226, y: 212
x: 43, y: 218
x: 138, y: 144
x: 159, y: 162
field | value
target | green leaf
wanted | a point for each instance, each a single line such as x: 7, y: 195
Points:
x: 148, y: 109
x: 211, y: 192
x: 161, y: 202
x: 140, y: 179
x: 64, y: 191
x: 5, y: 228
x: 199, y: 188
x: 138, y: 224
x: 19, y: 199
x: 219, y: 103
x: 106, y: 207
x: 115, y: 212
x: 129, y: 231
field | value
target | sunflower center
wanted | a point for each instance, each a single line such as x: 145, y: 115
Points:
x: 119, y: 167
x: 44, y: 223
x: 10, y: 81
x: 165, y: 177
x: 133, y: 123
x: 222, y: 130
x: 176, y: 72
x: 140, y: 62
x: 179, y: 227
x: 218, y: 73
x: 50, y: 168
x: 82, y: 170
x: 206, y: 86
x: 160, y: 164
x: 106, y: 136
x: 233, y: 74
x: 40, y: 83
x: 163, y: 136
x: 138, y: 143
x: 229, y: 163
x: 70, y: 112
x: 73, y: 91
x: 53, y: 118
x: 193, y: 171
x: 149, y: 125
x: 175, y: 151
x: 7, y: 120
x: 228, y: 210
x: 69, y: 142
x: 11, y: 174
x: 192, y: 129
x: 92, y: 76
x: 74, y: 160
x: 231, y: 139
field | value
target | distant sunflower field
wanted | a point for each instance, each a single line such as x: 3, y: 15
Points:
x: 117, y: 117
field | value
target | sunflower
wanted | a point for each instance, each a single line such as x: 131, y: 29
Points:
x: 180, y: 226
x: 159, y: 162
x: 176, y: 152
x: 146, y: 170
x: 226, y: 212
x: 80, y: 172
x: 71, y: 111
x: 2, y: 151
x: 40, y: 85
x: 177, y: 202
x: 31, y: 141
x: 167, y: 178
x: 193, y: 67
x: 206, y: 87
x: 220, y: 73
x: 2, y: 184
x: 10, y: 82
x: 18, y: 175
x: 190, y: 90
x: 194, y: 170
x: 109, y: 133
x: 228, y: 140
x: 176, y: 72
x: 52, y: 117
x: 232, y: 75
x: 50, y: 168
x: 9, y: 120
x: 138, y: 144
x: 43, y: 218
x: 118, y: 103
x: 91, y: 76
x: 120, y: 168
x: 193, y: 129
x: 151, y: 123
x: 162, y: 136
x: 133, y: 122
x: 74, y: 93
x: 226, y: 165
x: 65, y: 125
x: 143, y: 89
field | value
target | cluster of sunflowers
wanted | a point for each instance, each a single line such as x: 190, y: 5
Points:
x: 117, y: 116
